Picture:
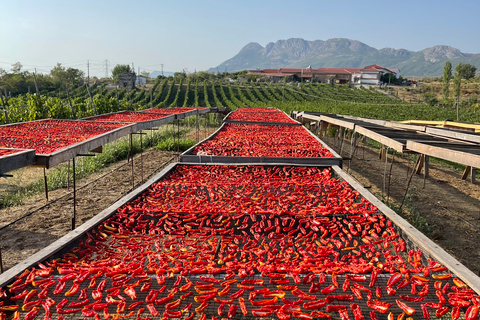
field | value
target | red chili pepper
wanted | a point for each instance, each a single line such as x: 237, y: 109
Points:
x: 357, y: 312
x: 73, y: 290
x: 153, y: 311
x: 136, y: 304
x: 471, y: 313
x: 329, y: 289
x: 302, y: 295
x: 32, y: 314
x: 243, y: 307
x: 130, y: 291
x: 261, y: 313
x: 379, y: 306
x: 408, y: 310
x: 317, y: 304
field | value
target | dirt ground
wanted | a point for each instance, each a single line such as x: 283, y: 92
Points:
x: 450, y: 206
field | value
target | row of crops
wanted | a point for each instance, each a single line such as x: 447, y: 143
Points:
x: 166, y: 93
x: 242, y: 241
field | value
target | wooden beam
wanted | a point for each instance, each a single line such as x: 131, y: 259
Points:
x: 465, y: 136
x: 389, y: 142
x: 464, y: 158
x: 338, y: 122
x: 405, y: 126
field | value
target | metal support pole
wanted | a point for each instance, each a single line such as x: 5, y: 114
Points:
x: 131, y: 152
x: 74, y: 196
x: 141, y: 155
x: 68, y: 175
x: 46, y: 184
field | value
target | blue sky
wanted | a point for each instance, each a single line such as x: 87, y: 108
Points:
x: 199, y: 34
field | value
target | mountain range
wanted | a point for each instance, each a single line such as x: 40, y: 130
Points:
x: 341, y: 52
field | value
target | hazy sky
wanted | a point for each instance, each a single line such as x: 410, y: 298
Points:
x: 199, y: 34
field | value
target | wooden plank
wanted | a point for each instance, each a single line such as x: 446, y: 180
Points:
x: 418, y: 238
x: 16, y: 160
x: 405, y: 126
x: 424, y: 122
x: 338, y: 122
x: 368, y: 120
x: 465, y: 136
x: 464, y: 158
x: 389, y: 142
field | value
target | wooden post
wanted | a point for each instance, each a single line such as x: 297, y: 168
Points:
x: 71, y: 105
x: 419, y: 165
x: 466, y: 172
x: 472, y: 177
x: 118, y: 101
x: 425, y: 165
x: 91, y: 98
x: 46, y: 184
x: 4, y: 109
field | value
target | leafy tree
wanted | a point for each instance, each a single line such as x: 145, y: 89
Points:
x: 447, y: 76
x: 468, y: 71
x: 120, y: 68
x: 17, y: 67
x: 179, y: 76
x: 58, y: 74
x: 75, y: 75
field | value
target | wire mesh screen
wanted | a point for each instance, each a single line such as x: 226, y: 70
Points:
x: 242, y: 242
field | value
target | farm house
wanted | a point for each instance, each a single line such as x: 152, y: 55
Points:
x: 367, y: 75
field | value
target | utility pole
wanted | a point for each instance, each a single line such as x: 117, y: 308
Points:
x: 162, y: 69
x: 133, y: 68
x: 88, y: 72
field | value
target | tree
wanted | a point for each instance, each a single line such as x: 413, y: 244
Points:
x: 75, y: 75
x: 146, y: 74
x: 120, y: 68
x: 457, y: 83
x: 17, y: 67
x: 59, y: 75
x: 468, y: 71
x: 447, y: 76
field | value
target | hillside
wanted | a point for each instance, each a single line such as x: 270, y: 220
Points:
x: 340, y: 52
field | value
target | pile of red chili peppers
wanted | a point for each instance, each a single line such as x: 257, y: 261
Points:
x: 128, y: 116
x: 5, y: 151
x: 261, y: 116
x: 47, y: 136
x: 254, y: 140
x: 221, y: 242
x: 171, y: 110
